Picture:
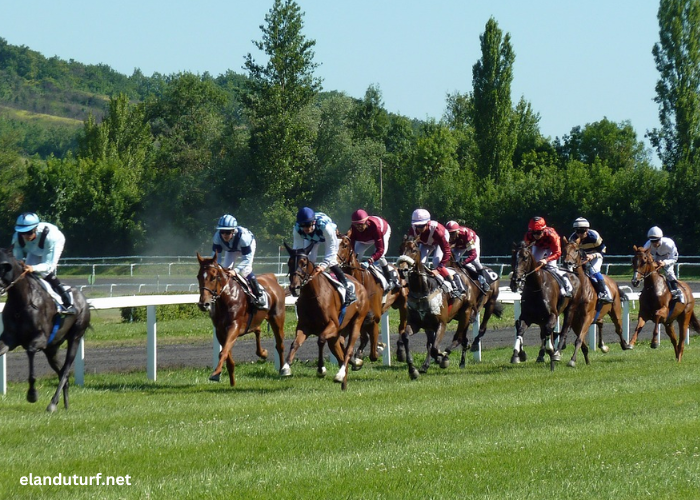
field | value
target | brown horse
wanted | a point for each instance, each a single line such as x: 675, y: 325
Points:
x: 540, y: 303
x: 476, y: 299
x: 320, y: 312
x: 430, y: 307
x: 655, y: 303
x: 224, y: 296
x: 380, y: 302
x: 573, y: 256
x: 32, y: 321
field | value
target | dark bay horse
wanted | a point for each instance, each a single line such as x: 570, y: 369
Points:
x: 320, y: 312
x: 540, y: 303
x: 573, y: 256
x: 429, y: 307
x: 476, y: 300
x: 32, y: 321
x: 655, y: 303
x: 379, y: 301
x: 223, y: 296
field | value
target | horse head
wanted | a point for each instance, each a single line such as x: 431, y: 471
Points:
x: 212, y: 279
x: 346, y: 254
x: 409, y: 255
x: 643, y: 264
x: 522, y: 263
x: 300, y: 268
x: 10, y: 270
x: 572, y: 255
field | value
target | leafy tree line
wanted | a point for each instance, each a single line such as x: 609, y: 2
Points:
x: 156, y: 170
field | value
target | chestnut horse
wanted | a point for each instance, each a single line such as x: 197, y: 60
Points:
x: 379, y: 301
x: 224, y: 297
x: 539, y: 303
x: 573, y: 256
x: 430, y: 307
x: 320, y: 312
x: 655, y: 303
x: 31, y: 320
x: 476, y: 299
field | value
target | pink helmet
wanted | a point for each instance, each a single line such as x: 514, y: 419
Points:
x: 452, y: 226
x: 420, y: 217
x: 359, y: 216
x: 537, y: 224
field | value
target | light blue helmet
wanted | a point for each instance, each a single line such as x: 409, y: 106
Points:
x: 227, y: 222
x: 26, y: 222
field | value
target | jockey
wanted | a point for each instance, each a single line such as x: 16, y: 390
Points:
x: 592, y: 244
x: 317, y: 227
x: 465, y: 242
x: 39, y: 245
x: 665, y: 254
x: 232, y: 241
x: 370, y: 230
x: 546, y: 249
x: 433, y: 239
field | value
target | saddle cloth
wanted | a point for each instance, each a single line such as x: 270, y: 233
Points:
x: 249, y: 292
x: 338, y: 285
x: 56, y: 298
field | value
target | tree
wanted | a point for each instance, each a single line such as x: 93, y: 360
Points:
x: 275, y: 97
x: 494, y: 127
x: 677, y: 58
x: 369, y: 119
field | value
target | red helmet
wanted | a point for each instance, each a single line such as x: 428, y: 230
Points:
x: 452, y: 226
x: 537, y: 224
x: 359, y: 216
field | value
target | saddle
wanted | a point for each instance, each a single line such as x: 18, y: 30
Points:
x: 338, y: 285
x: 249, y: 292
x: 57, y: 298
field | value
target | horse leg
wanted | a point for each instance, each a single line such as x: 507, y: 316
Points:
x: 259, y: 350
x: 462, y: 329
x: 329, y: 332
x: 640, y: 324
x: 616, y: 316
x: 412, y: 371
x: 374, y: 341
x: 300, y: 338
x: 518, y: 351
x: 601, y: 343
x: 229, y: 335
x: 671, y: 332
x: 52, y: 357
x: 342, y: 375
x: 31, y: 393
x: 403, y: 320
x: 231, y: 367
x: 277, y: 325
x: 71, y: 351
x: 682, y: 334
x: 429, y: 346
x: 488, y: 311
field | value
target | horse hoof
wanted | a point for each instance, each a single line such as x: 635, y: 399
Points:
x: 357, y: 364
x: 556, y: 356
x: 571, y: 363
x: 413, y: 374
x: 444, y: 362
x: 31, y: 396
x: 339, y: 379
x: 286, y: 371
x: 604, y: 349
x: 51, y: 408
x: 625, y: 346
x: 215, y: 378
x: 515, y: 359
x: 654, y: 345
x: 523, y: 356
x: 401, y: 355
x: 474, y: 347
x: 321, y: 372
x: 540, y: 359
x: 380, y: 348
x: 263, y: 354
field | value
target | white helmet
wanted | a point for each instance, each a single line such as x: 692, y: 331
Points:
x: 655, y: 233
x: 581, y: 223
x: 420, y: 217
x: 226, y: 222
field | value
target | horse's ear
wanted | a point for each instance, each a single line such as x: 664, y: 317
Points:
x: 634, y: 248
x: 349, y: 232
x: 564, y: 240
x: 216, y: 255
x: 405, y: 236
x: 199, y: 257
x: 308, y: 249
x: 289, y: 249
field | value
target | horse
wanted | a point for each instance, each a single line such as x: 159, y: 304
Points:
x: 573, y: 256
x: 539, y: 303
x: 379, y: 301
x: 429, y: 307
x: 476, y: 299
x: 32, y: 320
x: 655, y: 303
x: 320, y: 312
x: 224, y: 296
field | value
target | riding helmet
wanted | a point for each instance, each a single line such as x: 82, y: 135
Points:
x: 27, y: 222
x: 227, y: 222
x: 581, y: 223
x: 420, y: 217
x: 305, y: 215
x: 451, y: 226
x: 537, y: 224
x: 655, y: 233
x: 359, y: 216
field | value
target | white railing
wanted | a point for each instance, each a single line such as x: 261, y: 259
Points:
x: 152, y: 301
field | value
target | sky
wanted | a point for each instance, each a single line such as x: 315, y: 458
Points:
x: 575, y: 62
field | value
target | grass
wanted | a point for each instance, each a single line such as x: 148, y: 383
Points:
x: 625, y: 427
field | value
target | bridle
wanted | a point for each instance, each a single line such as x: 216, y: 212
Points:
x: 217, y: 281
x: 519, y: 278
x: 638, y: 275
x: 4, y: 289
x: 347, y: 261
x: 303, y: 275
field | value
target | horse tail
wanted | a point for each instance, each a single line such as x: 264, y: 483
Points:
x: 694, y: 323
x: 498, y: 309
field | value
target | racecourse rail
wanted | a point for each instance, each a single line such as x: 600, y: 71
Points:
x: 152, y: 301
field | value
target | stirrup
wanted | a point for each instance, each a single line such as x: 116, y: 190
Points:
x: 69, y: 310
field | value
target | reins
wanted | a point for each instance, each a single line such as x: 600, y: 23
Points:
x: 24, y: 273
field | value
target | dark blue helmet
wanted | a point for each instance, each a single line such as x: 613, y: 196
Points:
x: 305, y: 215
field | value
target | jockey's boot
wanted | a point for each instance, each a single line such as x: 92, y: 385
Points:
x: 393, y: 284
x: 68, y: 307
x: 675, y: 291
x: 457, y: 287
x: 484, y: 280
x: 259, y: 302
x: 602, y: 290
x: 568, y: 289
x: 350, y: 296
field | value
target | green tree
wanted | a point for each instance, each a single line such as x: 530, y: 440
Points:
x: 494, y: 127
x: 369, y: 119
x: 677, y: 58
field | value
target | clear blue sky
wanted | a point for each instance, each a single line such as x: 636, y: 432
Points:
x: 576, y: 62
